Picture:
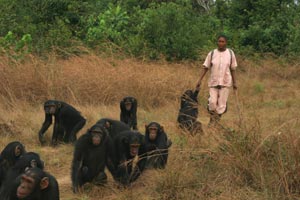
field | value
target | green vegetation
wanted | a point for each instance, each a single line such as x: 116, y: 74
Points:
x: 155, y: 29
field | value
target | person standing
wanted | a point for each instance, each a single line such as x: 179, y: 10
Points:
x: 221, y: 63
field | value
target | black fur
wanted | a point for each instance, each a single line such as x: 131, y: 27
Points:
x: 68, y: 121
x: 157, y: 149
x: 89, y: 160
x: 49, y: 193
x: 8, y: 157
x: 129, y: 116
x: 124, y: 172
x: 114, y: 127
x: 28, y: 160
x: 188, y: 113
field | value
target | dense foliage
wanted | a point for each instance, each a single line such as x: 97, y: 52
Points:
x: 155, y: 29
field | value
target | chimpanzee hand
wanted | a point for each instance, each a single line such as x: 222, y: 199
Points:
x: 42, y: 139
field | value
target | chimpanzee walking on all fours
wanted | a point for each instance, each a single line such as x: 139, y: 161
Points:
x: 68, y: 121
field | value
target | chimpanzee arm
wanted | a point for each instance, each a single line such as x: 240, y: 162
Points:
x: 137, y: 171
x: 46, y: 124
x: 122, y: 114
x: 121, y: 174
x: 195, y: 95
x: 161, y: 141
x: 134, y: 111
x: 121, y: 148
x: 111, y: 157
x: 77, y: 163
x: 57, y: 130
x: 134, y: 122
x: 8, y: 190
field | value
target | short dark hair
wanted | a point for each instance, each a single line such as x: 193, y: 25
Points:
x: 222, y: 36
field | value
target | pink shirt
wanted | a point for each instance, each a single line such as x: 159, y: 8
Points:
x: 220, y: 68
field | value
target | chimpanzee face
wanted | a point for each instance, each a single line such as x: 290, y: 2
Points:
x: 26, y: 187
x: 30, y: 182
x: 97, y: 135
x: 134, y: 145
x: 134, y: 149
x: 50, y: 109
x: 128, y: 106
x: 153, y: 132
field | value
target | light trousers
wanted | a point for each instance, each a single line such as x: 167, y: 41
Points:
x: 218, y: 99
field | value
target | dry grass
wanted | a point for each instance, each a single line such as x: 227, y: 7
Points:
x: 256, y: 158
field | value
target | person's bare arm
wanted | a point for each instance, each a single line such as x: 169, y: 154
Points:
x: 234, y: 85
x: 204, y: 71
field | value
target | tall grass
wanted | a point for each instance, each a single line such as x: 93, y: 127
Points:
x: 255, y: 154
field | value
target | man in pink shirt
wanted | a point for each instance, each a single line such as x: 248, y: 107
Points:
x: 222, y: 64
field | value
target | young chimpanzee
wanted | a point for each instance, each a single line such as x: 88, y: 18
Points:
x: 130, y: 155
x: 28, y: 160
x: 33, y: 184
x: 128, y: 108
x: 188, y: 113
x: 68, y: 121
x: 114, y: 127
x: 157, y: 145
x: 93, y: 151
x: 9, y: 156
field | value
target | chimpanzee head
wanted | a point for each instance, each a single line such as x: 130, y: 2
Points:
x: 98, y: 134
x: 135, y: 140
x: 29, y: 160
x: 153, y: 130
x: 33, y: 182
x: 13, y: 151
x: 51, y: 107
x: 128, y: 103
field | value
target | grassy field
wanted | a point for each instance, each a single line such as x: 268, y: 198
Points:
x: 256, y: 155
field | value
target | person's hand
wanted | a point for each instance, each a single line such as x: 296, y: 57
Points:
x: 198, y: 84
x: 234, y: 86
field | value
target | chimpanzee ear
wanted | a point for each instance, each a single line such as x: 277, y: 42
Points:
x: 107, y: 124
x: 162, y: 129
x: 44, y: 183
x: 146, y: 126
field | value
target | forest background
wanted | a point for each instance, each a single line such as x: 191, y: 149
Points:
x: 149, y: 29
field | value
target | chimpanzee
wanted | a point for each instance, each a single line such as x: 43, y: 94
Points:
x: 128, y: 108
x: 93, y: 151
x: 130, y: 155
x: 188, y: 113
x: 9, y: 156
x: 68, y: 121
x: 33, y: 184
x: 114, y: 127
x: 28, y: 160
x: 157, y: 145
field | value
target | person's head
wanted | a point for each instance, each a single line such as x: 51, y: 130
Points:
x: 222, y: 42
